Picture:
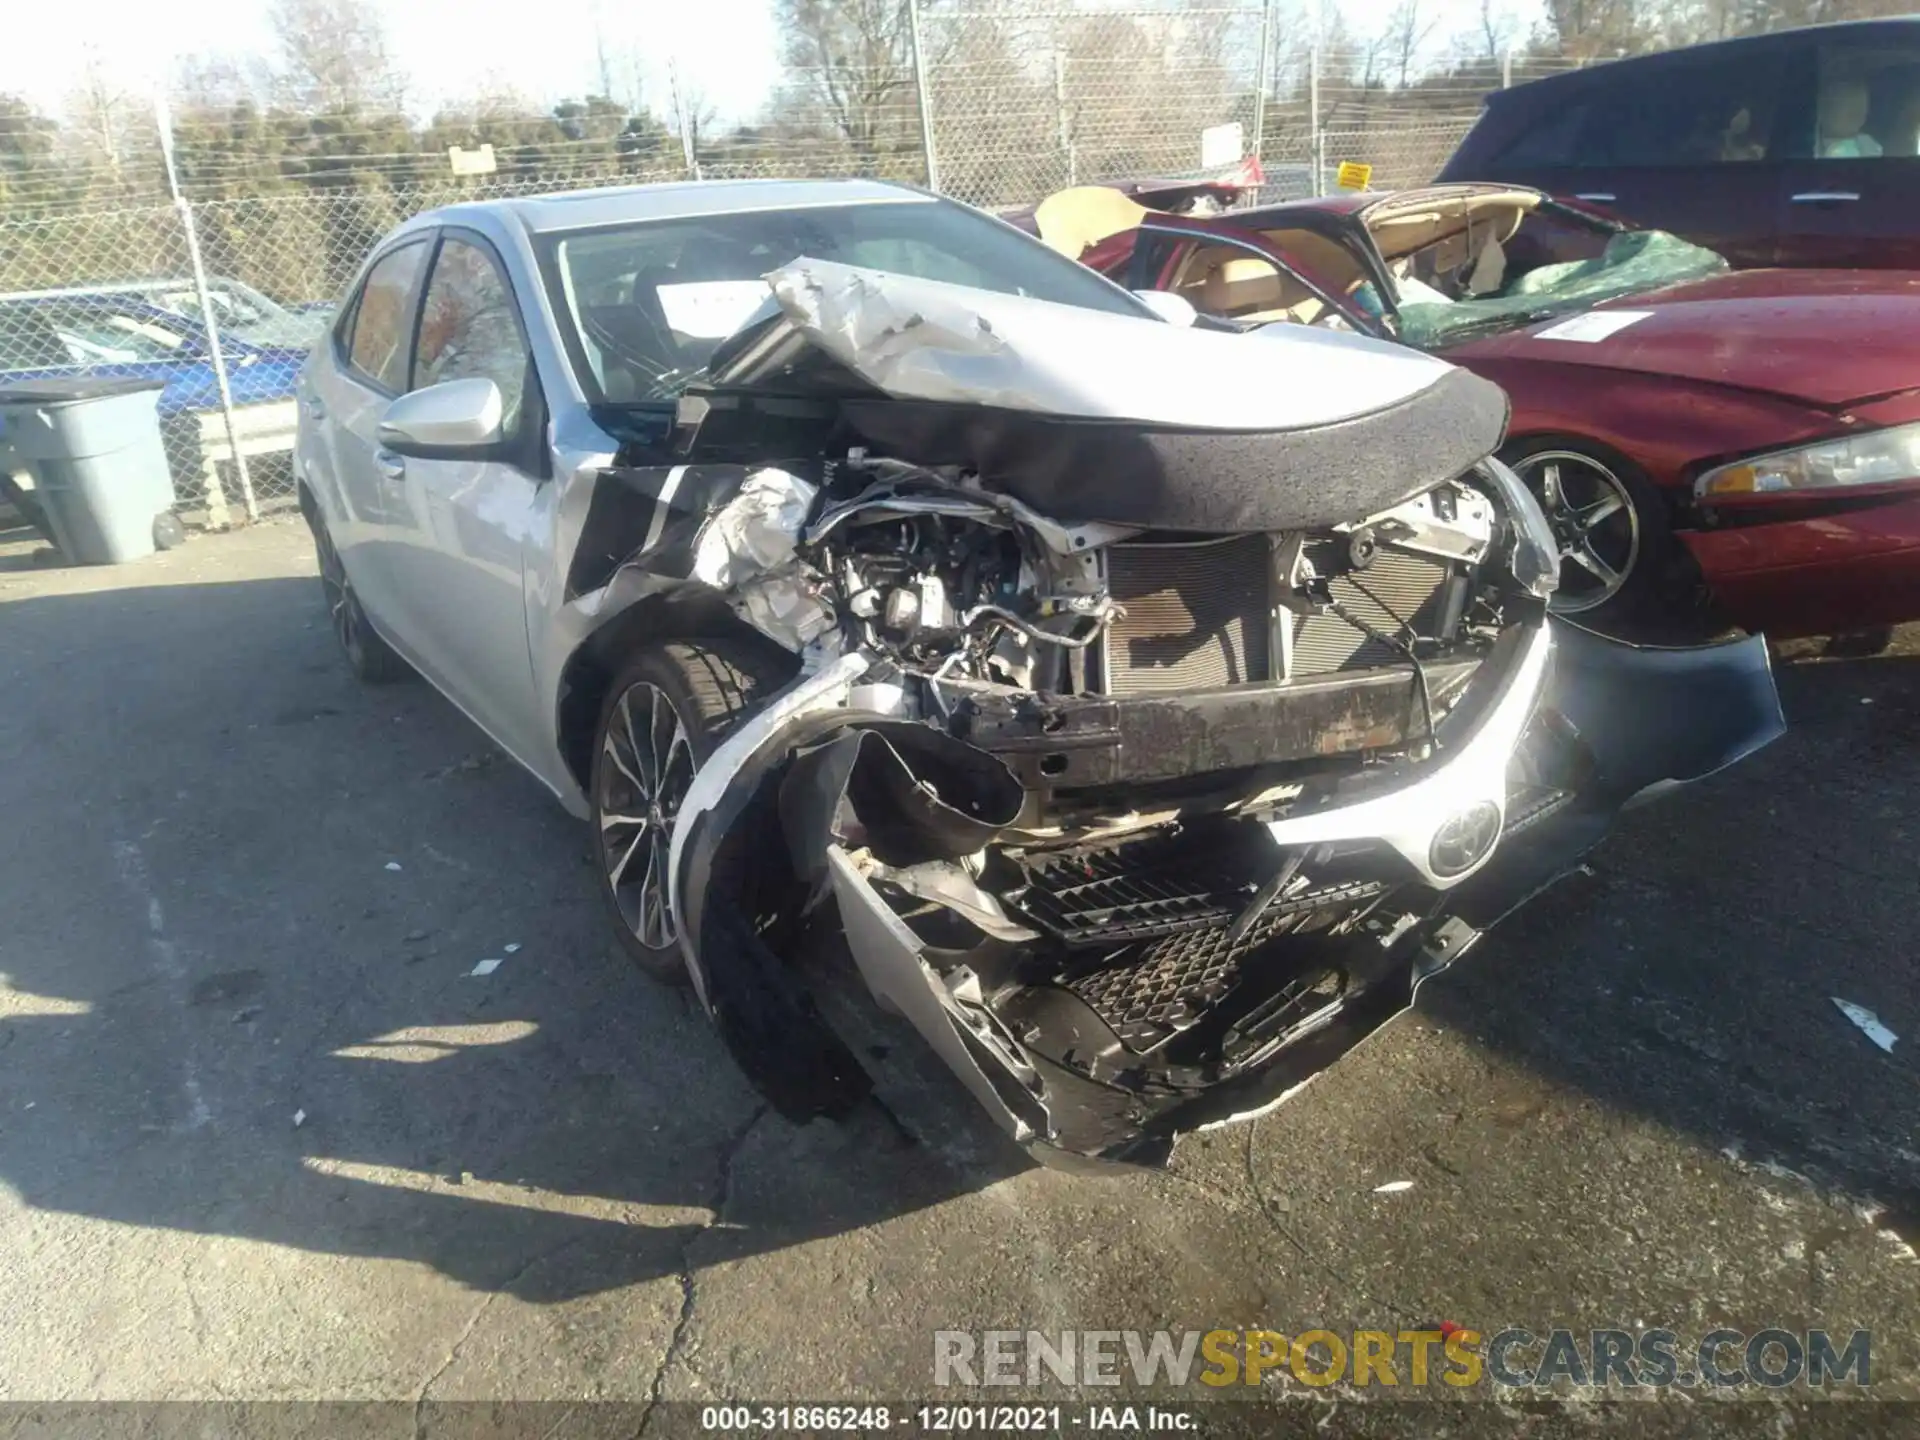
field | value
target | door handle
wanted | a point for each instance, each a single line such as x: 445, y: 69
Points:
x: 392, y: 466
x: 1825, y: 197
x: 1604, y: 197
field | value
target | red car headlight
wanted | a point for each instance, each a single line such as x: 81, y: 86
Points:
x: 1877, y: 457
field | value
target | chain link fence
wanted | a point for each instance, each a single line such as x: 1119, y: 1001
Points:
x: 1017, y: 104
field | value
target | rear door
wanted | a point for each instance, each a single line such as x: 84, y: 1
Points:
x: 364, y: 369
x: 1688, y: 143
x: 1851, y: 195
x: 459, y: 552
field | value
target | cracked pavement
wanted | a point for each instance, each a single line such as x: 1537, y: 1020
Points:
x: 264, y: 1136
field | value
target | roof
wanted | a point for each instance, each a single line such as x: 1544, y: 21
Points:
x: 583, y: 209
x: 1570, y: 79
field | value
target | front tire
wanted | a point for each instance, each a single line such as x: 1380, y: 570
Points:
x: 1617, y: 551
x: 666, y: 711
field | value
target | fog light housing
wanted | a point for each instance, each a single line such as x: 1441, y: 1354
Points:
x: 1465, y: 840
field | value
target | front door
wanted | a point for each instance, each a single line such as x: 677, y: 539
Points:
x: 364, y: 369
x: 459, y: 566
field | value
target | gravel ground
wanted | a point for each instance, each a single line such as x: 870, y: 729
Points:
x: 263, y: 1136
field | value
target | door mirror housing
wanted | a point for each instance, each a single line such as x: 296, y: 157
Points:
x: 453, y: 420
x: 1172, y: 308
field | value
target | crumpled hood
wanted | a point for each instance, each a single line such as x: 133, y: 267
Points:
x: 1824, y: 337
x: 924, y: 340
x: 1095, y: 417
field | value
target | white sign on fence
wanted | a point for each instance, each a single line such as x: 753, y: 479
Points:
x: 471, y: 162
x: 1222, y: 145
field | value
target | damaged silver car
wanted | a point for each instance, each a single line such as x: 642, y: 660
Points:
x: 1152, y: 709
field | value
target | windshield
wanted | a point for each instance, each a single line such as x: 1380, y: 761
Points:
x: 645, y: 305
x: 243, y: 312
x: 1631, y: 264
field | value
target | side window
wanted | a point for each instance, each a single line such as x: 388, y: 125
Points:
x: 1688, y: 115
x: 382, y: 318
x: 1553, y: 139
x: 468, y: 328
x: 1868, y: 103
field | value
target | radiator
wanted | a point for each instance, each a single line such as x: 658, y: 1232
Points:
x: 1197, y: 614
x: 1396, y: 591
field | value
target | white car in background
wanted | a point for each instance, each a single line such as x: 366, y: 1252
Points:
x: 1151, y: 708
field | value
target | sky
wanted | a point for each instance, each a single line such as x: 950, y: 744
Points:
x: 725, y: 51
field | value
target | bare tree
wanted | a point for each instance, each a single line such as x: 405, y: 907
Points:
x: 334, y: 55
x: 854, y: 59
x: 1402, y: 39
x: 1495, y: 30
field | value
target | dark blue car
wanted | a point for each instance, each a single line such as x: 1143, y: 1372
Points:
x: 125, y: 332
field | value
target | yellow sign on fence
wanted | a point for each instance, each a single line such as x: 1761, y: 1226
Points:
x: 1353, y: 175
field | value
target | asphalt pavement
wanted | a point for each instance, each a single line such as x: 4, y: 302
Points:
x: 265, y: 1136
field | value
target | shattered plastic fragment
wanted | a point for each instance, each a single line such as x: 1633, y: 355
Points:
x: 513, y: 949
x: 485, y: 967
x: 1868, y: 1022
x: 1393, y: 1187
x: 299, y: 1118
x: 393, y: 864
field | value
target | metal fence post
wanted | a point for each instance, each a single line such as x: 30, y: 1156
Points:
x: 216, y: 500
x: 1316, y: 141
x: 923, y: 92
x: 1060, y: 113
x: 1266, y: 74
x: 1506, y: 69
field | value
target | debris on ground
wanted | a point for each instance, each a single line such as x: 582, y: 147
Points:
x: 1868, y: 1022
x: 393, y: 864
x: 485, y: 967
x: 513, y: 949
x: 1393, y: 1187
x: 299, y: 1118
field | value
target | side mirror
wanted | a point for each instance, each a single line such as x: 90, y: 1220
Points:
x: 444, y: 421
x: 1172, y: 308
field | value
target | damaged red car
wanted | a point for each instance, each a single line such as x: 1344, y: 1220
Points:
x: 1710, y: 445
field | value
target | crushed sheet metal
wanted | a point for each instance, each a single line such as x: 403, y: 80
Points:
x: 746, y: 550
x: 1868, y: 1022
x: 755, y: 531
x: 926, y: 340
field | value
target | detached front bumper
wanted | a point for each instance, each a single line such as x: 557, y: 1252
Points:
x: 1579, y: 727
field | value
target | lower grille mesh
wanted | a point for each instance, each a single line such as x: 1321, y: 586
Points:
x: 1197, y: 615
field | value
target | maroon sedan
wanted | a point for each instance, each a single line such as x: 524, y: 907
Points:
x: 1680, y: 421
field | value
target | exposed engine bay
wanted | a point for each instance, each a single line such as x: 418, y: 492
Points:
x: 1140, y: 815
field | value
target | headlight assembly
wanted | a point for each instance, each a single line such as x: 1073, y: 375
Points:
x: 1875, y: 457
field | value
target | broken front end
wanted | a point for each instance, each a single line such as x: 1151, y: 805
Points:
x: 1147, y: 763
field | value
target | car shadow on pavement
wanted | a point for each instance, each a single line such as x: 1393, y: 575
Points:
x: 236, y: 988
x: 1690, y: 976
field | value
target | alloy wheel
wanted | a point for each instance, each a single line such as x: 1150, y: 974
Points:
x: 648, y: 766
x: 1594, y: 521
